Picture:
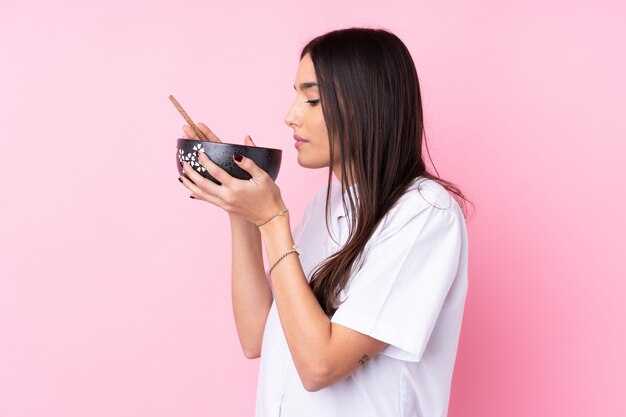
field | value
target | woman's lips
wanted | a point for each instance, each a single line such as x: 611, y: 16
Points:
x: 299, y: 141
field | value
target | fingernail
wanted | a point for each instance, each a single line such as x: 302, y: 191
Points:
x: 198, y: 153
x: 251, y: 140
x: 237, y: 157
x: 181, y: 181
x: 192, y: 197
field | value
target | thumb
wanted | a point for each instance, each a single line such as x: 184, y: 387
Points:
x: 249, y: 141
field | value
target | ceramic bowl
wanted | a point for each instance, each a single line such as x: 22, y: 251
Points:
x: 268, y: 159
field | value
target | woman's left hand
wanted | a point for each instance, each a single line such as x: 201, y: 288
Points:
x: 255, y: 200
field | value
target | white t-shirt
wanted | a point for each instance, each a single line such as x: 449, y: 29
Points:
x: 408, y: 290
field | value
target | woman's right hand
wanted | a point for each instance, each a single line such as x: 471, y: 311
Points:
x: 189, y: 133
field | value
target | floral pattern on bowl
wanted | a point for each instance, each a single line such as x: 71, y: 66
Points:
x: 191, y: 158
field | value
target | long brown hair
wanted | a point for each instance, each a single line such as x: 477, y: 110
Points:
x: 372, y: 107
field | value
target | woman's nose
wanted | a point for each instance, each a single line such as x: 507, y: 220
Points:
x: 291, y: 119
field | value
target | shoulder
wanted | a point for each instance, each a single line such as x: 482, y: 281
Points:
x: 425, y: 199
x: 427, y: 192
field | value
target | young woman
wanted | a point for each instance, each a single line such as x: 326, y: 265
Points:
x: 359, y: 312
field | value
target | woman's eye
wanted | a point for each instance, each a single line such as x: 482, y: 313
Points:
x: 313, y: 102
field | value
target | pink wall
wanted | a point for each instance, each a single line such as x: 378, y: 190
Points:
x: 114, y: 288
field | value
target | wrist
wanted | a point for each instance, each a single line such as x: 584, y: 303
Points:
x: 275, y: 226
x: 268, y: 218
x: 294, y: 249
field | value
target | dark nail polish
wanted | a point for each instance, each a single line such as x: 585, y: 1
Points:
x: 192, y: 197
x: 181, y: 181
x: 237, y: 157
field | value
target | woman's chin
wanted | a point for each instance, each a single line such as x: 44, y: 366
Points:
x: 308, y: 163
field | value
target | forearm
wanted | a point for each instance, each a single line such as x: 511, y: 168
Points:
x: 306, y: 327
x: 251, y: 295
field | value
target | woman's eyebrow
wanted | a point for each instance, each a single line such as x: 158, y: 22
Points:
x: 304, y: 86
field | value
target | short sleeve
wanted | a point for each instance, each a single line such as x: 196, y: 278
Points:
x: 398, y: 292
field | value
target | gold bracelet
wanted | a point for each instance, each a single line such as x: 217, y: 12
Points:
x: 276, y: 215
x: 295, y: 249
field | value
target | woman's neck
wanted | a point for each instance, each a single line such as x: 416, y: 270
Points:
x: 337, y: 172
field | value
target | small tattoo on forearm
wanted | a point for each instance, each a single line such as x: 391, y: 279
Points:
x: 364, y: 359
